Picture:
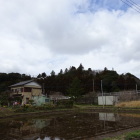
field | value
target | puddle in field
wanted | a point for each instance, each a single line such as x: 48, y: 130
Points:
x: 68, y: 126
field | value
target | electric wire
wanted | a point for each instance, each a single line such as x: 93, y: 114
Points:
x: 131, y: 5
x: 138, y: 6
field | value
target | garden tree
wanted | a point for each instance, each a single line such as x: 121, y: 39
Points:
x: 39, y: 76
x: 75, y: 89
x: 4, y: 98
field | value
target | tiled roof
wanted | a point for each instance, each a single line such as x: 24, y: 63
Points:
x: 21, y: 83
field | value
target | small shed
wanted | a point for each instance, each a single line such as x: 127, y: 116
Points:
x: 39, y: 100
x: 107, y: 100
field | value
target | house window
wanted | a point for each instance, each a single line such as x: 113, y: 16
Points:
x: 46, y: 100
x: 27, y: 89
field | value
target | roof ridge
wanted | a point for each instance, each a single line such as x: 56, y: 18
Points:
x: 21, y: 83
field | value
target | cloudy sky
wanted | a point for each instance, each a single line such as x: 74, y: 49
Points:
x: 43, y: 35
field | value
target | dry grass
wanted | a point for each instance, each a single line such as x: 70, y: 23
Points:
x: 130, y: 115
x: 129, y: 104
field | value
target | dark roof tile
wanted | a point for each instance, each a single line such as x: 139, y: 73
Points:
x: 21, y: 83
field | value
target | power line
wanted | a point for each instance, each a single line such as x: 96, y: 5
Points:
x: 131, y: 5
x: 134, y: 3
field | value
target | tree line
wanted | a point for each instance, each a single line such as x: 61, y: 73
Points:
x: 76, y: 80
x: 85, y: 81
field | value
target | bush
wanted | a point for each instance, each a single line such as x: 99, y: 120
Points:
x: 64, y: 103
x: 47, y: 106
x: 131, y: 135
x: 25, y: 108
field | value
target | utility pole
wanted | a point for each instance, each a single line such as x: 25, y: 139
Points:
x: 136, y: 89
x: 43, y: 90
x: 93, y: 87
x: 102, y: 93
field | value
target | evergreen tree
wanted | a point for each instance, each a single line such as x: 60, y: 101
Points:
x: 75, y: 89
x: 52, y: 73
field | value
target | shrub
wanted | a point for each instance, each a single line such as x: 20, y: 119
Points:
x: 31, y: 102
x: 47, y: 106
x: 64, y: 103
x: 25, y: 108
x: 131, y: 135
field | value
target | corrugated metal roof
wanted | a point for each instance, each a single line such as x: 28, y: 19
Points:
x: 21, y: 83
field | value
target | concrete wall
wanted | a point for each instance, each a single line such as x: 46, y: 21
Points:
x: 107, y: 100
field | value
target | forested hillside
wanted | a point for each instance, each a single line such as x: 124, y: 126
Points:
x: 11, y: 78
x: 77, y: 79
x: 88, y: 80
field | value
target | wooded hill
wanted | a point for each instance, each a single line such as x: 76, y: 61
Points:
x: 76, y: 79
x: 87, y: 80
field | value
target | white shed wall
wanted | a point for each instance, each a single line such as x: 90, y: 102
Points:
x: 107, y: 100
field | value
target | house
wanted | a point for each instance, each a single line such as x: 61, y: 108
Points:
x: 25, y: 90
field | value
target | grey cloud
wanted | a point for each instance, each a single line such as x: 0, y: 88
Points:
x: 38, y: 36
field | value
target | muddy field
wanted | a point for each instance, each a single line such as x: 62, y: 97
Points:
x: 68, y: 125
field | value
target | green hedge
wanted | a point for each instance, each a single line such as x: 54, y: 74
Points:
x: 64, y: 103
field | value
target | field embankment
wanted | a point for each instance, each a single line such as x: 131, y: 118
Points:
x: 5, y: 112
x: 125, y: 107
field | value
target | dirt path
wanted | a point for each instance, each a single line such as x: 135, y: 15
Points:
x: 115, y: 134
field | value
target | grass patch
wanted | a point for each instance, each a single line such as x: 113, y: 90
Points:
x: 129, y: 104
x: 126, y: 136
x: 131, y: 135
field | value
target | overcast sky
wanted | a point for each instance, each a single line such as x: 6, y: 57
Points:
x: 43, y: 35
